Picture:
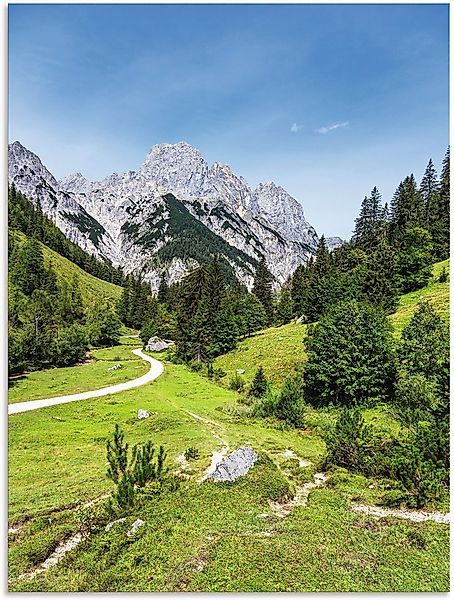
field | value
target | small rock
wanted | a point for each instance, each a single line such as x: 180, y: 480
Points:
x: 143, y: 414
x: 114, y: 368
x: 240, y: 371
x: 263, y: 516
x: 110, y: 525
x: 135, y: 526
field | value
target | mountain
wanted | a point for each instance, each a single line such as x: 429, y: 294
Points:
x: 334, y: 242
x: 170, y: 214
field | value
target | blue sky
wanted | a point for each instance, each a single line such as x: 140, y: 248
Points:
x: 326, y: 100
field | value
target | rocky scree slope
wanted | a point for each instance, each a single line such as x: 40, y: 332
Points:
x: 171, y: 214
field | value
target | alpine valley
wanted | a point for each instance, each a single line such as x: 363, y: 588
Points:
x: 171, y: 215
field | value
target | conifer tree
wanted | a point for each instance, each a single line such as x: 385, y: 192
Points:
x: 284, y: 307
x: 439, y: 227
x: 429, y: 190
x: 415, y: 259
x: 322, y: 291
x: 250, y: 315
x: 259, y: 384
x: 29, y: 272
x: 381, y: 280
x: 350, y: 356
x: 262, y: 287
x: 163, y: 288
x: 407, y: 210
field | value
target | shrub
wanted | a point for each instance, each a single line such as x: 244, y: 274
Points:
x: 266, y: 405
x: 236, y: 382
x: 443, y: 277
x: 132, y: 470
x: 350, y: 443
x: 290, y: 403
x: 191, y: 453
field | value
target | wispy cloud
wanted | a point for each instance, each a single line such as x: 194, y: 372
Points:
x: 332, y: 127
x: 296, y: 128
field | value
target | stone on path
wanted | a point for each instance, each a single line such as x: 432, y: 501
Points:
x: 234, y: 465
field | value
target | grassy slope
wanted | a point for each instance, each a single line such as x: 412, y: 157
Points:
x: 81, y: 378
x: 323, y: 547
x: 278, y: 349
x: 91, y: 288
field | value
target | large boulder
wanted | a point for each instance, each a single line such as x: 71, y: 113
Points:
x: 234, y: 465
x: 156, y: 344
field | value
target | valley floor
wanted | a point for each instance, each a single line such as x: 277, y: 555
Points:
x: 204, y: 536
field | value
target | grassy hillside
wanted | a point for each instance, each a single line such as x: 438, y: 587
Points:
x: 92, y: 288
x: 435, y: 293
x: 202, y: 537
x: 278, y: 349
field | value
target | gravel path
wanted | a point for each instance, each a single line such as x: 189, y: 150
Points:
x: 156, y: 369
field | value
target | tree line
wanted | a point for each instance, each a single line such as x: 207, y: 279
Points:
x: 30, y: 219
x: 48, y: 322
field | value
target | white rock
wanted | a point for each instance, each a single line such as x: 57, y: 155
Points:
x: 143, y: 414
x: 135, y: 526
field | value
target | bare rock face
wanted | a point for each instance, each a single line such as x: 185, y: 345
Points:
x: 235, y: 465
x: 334, y: 242
x: 133, y: 219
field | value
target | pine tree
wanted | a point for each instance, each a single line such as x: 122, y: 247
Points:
x: 262, y: 287
x: 350, y: 356
x: 163, y: 288
x: 250, y: 315
x: 429, y: 190
x: 381, y: 280
x: 259, y: 384
x: 284, y: 308
x: 322, y: 291
x: 370, y: 223
x: 407, y: 210
x: 415, y: 259
x: 439, y: 219
x: 29, y: 272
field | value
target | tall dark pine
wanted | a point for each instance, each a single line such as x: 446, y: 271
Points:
x: 163, y: 288
x: 407, y: 209
x: 262, y: 287
x: 440, y: 218
x: 381, y: 280
x: 322, y: 289
x: 429, y: 189
x: 370, y: 223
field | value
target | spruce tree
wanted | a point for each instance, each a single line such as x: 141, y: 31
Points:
x: 259, y: 384
x: 322, y: 292
x: 415, y: 259
x: 429, y: 190
x: 381, y: 279
x: 163, y: 288
x: 350, y: 356
x: 28, y: 272
x: 407, y: 210
x: 262, y: 287
x: 439, y: 227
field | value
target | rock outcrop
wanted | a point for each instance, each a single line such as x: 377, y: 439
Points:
x: 234, y: 465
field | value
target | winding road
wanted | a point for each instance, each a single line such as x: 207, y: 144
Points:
x: 156, y: 368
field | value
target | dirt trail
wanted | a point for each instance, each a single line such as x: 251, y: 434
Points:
x: 410, y: 515
x: 300, y: 498
x: 156, y: 369
x: 217, y: 455
x: 55, y: 557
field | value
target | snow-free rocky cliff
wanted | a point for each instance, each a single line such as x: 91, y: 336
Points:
x: 171, y: 214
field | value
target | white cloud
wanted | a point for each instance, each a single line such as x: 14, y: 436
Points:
x: 331, y: 127
x: 295, y: 128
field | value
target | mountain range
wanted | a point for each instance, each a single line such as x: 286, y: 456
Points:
x: 171, y: 214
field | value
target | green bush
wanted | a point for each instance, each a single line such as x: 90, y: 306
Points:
x: 237, y: 382
x: 290, y: 403
x: 191, y: 453
x: 132, y: 470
